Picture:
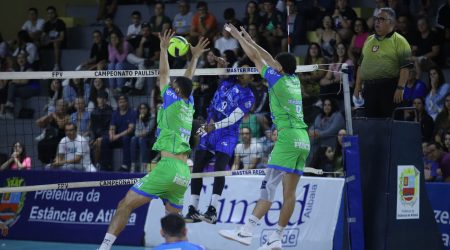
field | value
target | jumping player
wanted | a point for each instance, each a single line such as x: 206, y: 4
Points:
x: 170, y: 179
x: 232, y: 101
x: 287, y: 159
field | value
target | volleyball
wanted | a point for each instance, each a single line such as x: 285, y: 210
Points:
x: 178, y: 46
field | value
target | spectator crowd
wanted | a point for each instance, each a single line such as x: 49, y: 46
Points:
x: 86, y: 119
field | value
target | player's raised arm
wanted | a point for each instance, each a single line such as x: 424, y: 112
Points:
x: 164, y: 67
x: 196, y: 52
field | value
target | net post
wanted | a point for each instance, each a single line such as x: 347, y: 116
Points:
x: 347, y: 104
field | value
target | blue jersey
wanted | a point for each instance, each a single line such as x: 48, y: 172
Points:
x: 229, y: 96
x: 180, y: 245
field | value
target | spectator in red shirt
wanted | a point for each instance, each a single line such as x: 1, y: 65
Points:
x: 203, y: 23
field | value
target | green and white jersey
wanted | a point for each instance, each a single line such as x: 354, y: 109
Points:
x: 174, y: 122
x: 285, y: 98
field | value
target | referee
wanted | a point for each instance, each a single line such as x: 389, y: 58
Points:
x: 383, y: 67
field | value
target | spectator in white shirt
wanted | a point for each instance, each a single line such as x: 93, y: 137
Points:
x: 135, y: 27
x: 226, y: 42
x: 247, y: 154
x: 182, y: 21
x: 34, y: 25
x: 73, y: 152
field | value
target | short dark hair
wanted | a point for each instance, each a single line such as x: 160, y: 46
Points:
x: 136, y: 12
x: 229, y: 13
x: 51, y: 8
x: 287, y: 61
x: 202, y: 4
x: 71, y: 124
x: 173, y: 225
x: 122, y: 96
x: 185, y: 85
x: 33, y: 9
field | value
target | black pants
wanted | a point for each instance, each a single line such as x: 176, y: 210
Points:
x: 379, y: 97
x: 202, y: 158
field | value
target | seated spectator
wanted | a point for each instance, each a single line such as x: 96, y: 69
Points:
x: 251, y: 121
x: 425, y: 120
x: 34, y: 26
x: 446, y: 141
x: 98, y: 85
x: 359, y: 38
x: 430, y: 168
x: 344, y: 17
x: 106, y: 9
x: 53, y: 125
x: 274, y: 23
x: 26, y: 45
x: 442, y: 122
x: 145, y: 56
x: 98, y: 57
x: 439, y: 89
x: 159, y: 22
x: 326, y: 126
x: 267, y: 142
x: 226, y: 42
x: 19, y: 159
x: 229, y: 15
x: 73, y: 152
x: 310, y: 80
x: 414, y: 87
x: 339, y: 152
x: 328, y: 37
x: 140, y: 142
x: 437, y: 154
x: 118, y: 50
x: 23, y: 89
x: 426, y: 47
x: 134, y: 29
x: 110, y: 28
x: 248, y: 153
x: 54, y: 36
x: 256, y: 35
x: 74, y: 88
x: 330, y: 84
x: 323, y: 159
x: 231, y: 58
x: 174, y: 231
x: 252, y: 16
x: 55, y: 92
x: 261, y: 107
x: 100, y: 121
x: 182, y: 21
x: 120, y: 131
x: 204, y: 23
x: 81, y: 118
x: 403, y: 27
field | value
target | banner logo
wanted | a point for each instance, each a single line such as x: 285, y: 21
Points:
x: 11, y: 204
x: 408, y: 186
x: 289, y: 239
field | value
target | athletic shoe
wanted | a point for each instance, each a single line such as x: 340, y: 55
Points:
x: 272, y: 245
x: 192, y: 215
x: 210, y: 216
x: 238, y: 235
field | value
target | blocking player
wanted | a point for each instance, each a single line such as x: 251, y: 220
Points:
x: 170, y: 179
x: 231, y: 102
x: 287, y: 159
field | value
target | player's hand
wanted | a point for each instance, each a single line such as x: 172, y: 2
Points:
x: 164, y: 39
x: 206, y: 128
x: 221, y: 62
x: 398, y: 96
x: 200, y: 48
x: 246, y: 35
x: 233, y: 31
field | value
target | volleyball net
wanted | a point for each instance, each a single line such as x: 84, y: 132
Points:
x: 42, y: 143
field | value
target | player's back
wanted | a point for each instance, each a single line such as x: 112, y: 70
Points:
x: 285, y: 99
x: 174, y: 122
x: 180, y: 245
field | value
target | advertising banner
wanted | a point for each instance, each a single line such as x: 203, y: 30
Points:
x: 439, y: 194
x: 69, y: 215
x: 312, y: 225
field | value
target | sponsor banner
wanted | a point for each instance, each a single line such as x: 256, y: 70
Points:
x: 68, y: 215
x: 439, y: 194
x: 312, y: 225
x: 408, y: 192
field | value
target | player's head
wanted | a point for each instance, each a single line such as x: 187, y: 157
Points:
x: 182, y: 86
x: 173, y: 225
x: 245, y: 79
x: 288, y: 62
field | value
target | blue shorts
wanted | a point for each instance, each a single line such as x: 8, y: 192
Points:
x: 219, y: 141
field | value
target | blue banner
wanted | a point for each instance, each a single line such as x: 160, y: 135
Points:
x: 69, y: 215
x: 439, y: 194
